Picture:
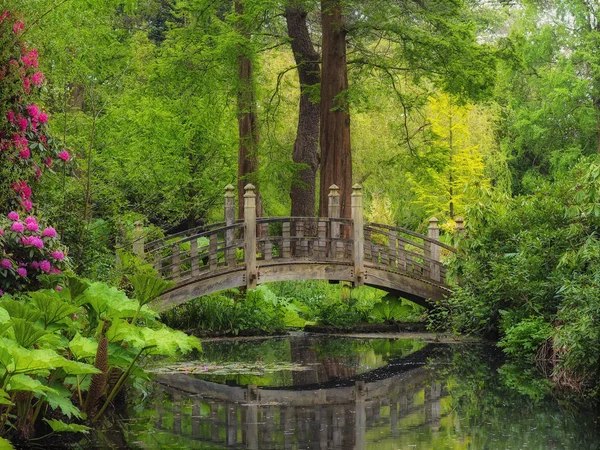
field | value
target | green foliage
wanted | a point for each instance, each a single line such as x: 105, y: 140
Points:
x: 392, y: 308
x: 529, y: 272
x: 49, y: 343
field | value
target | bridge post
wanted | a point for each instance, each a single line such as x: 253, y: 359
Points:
x: 138, y: 239
x: 358, y: 235
x: 250, y: 236
x: 460, y: 224
x: 229, y: 221
x: 433, y: 232
x: 333, y: 212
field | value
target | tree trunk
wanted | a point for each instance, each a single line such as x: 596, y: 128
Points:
x: 247, y: 121
x: 306, y: 146
x: 336, y: 159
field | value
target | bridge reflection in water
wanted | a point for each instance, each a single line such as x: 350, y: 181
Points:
x: 337, y: 417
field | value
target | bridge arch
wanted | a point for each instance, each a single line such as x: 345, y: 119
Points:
x: 255, y: 251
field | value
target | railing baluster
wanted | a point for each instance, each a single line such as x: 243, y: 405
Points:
x: 393, y: 250
x: 194, y: 258
x: 212, y: 251
x: 176, y: 263
x: 286, y: 248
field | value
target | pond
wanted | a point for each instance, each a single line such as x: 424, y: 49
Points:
x: 323, y: 392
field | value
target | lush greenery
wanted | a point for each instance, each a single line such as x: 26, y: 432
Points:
x: 67, y: 354
x: 290, y: 305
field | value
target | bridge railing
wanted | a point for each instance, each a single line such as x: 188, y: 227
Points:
x: 254, y: 242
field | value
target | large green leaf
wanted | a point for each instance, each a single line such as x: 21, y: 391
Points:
x: 77, y: 287
x: 16, y: 359
x: 4, y: 316
x: 78, y: 368
x: 60, y: 398
x: 25, y: 332
x: 20, y: 310
x: 83, y: 347
x: 5, y: 445
x: 58, y: 426
x: 5, y: 398
x: 21, y: 382
x: 53, y: 309
x: 148, y: 287
x: 109, y: 302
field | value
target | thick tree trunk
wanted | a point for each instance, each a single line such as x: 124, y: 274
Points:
x: 336, y: 159
x: 247, y: 122
x: 306, y: 146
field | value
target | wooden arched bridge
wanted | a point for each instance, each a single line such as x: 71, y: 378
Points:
x: 255, y: 250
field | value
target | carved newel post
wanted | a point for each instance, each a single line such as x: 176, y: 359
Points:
x: 358, y: 234
x: 229, y: 221
x: 459, y: 228
x: 250, y: 236
x: 433, y: 232
x: 138, y: 239
x: 333, y: 212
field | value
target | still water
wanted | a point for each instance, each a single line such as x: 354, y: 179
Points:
x: 323, y: 392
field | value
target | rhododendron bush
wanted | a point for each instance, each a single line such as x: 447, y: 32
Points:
x: 28, y: 246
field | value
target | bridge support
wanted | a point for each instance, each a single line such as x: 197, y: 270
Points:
x: 250, y: 236
x: 229, y: 221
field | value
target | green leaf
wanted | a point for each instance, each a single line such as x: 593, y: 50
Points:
x: 58, y: 426
x: 26, y: 333
x: 5, y: 445
x: 60, y: 399
x: 77, y: 287
x: 20, y: 310
x: 52, y: 307
x: 21, y: 382
x: 4, y: 316
x: 5, y: 398
x: 83, y: 347
x: 148, y: 287
x: 79, y: 368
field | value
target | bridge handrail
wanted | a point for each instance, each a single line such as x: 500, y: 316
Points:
x: 190, y: 233
x: 372, y: 226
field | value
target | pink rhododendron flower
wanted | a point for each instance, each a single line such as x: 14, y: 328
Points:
x: 30, y: 219
x: 25, y: 153
x: 45, y: 266
x: 59, y: 288
x: 30, y: 59
x: 18, y: 26
x: 64, y: 155
x: 35, y: 265
x: 27, y: 205
x: 33, y: 227
x: 22, y: 271
x: 22, y: 122
x: 54, y: 270
x: 13, y: 216
x: 10, y: 116
x: 49, y: 232
x: 58, y: 255
x: 17, y: 227
x: 37, y: 78
x: 5, y: 263
x: 27, y: 85
x: 43, y: 118
x: 48, y: 162
x: 33, y: 110
x: 1, y: 232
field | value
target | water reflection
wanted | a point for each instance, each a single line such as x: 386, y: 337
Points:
x: 429, y: 397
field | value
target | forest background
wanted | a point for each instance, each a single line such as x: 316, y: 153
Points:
x: 483, y: 109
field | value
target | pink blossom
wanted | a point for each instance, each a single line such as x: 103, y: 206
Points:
x: 58, y: 255
x: 64, y: 155
x: 1, y: 292
x: 18, y: 26
x: 30, y: 59
x: 37, y: 78
x: 48, y: 162
x: 35, y: 265
x: 22, y: 271
x: 17, y: 227
x: 22, y: 122
x: 59, y: 288
x: 27, y: 84
x: 33, y: 227
x: 49, y: 232
x: 30, y: 219
x: 13, y: 216
x: 45, y: 266
x: 38, y: 172
x: 34, y: 124
x: 5, y: 263
x: 43, y: 118
x: 1, y: 232
x: 25, y: 153
x: 33, y: 110
x: 54, y: 270
x: 27, y: 205
x: 10, y: 116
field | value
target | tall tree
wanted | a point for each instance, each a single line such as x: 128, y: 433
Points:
x: 246, y: 114
x: 336, y: 157
x: 306, y: 146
